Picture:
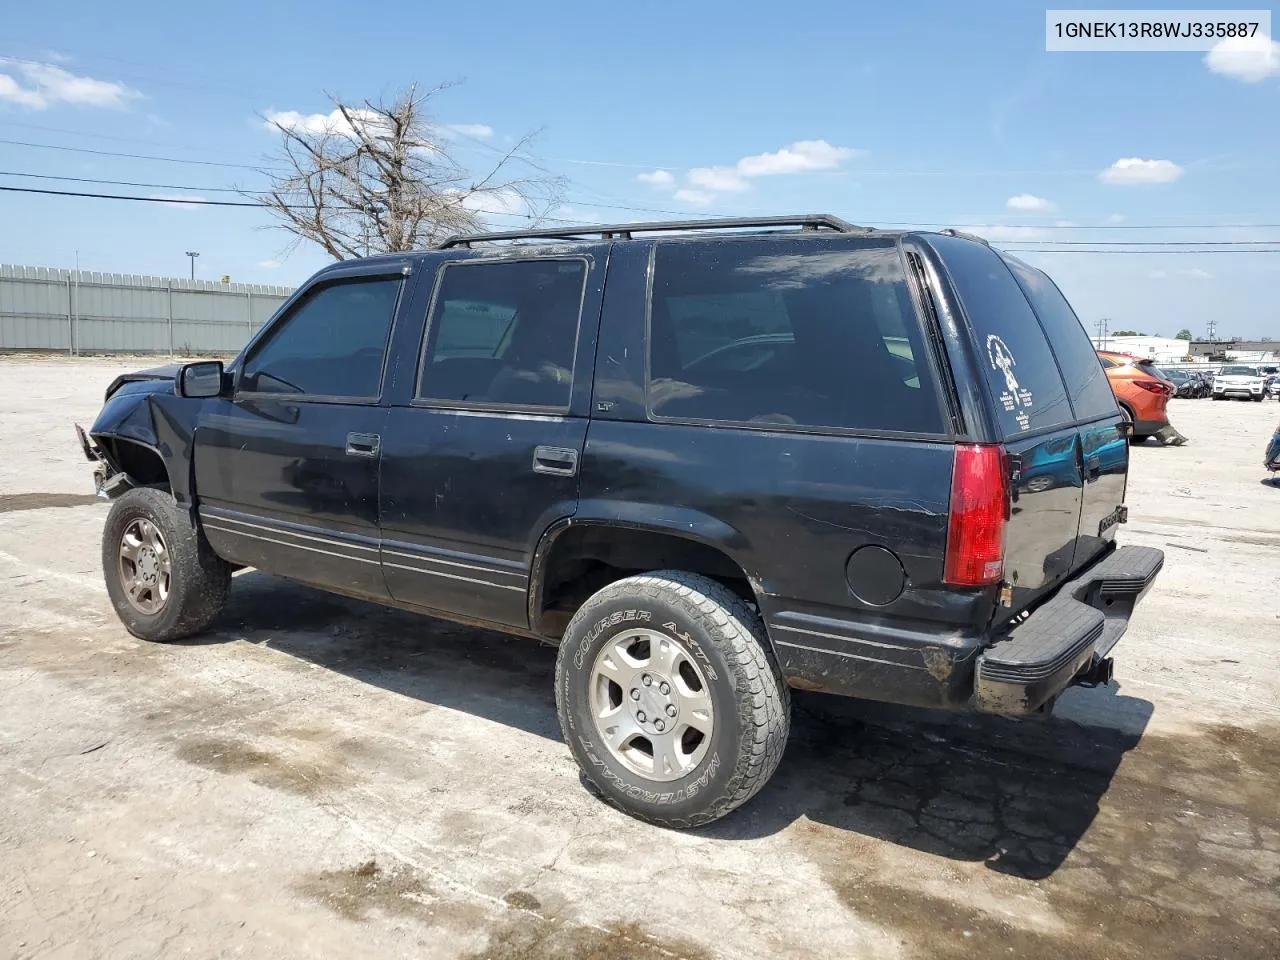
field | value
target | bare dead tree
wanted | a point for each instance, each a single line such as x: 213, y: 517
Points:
x: 382, y: 178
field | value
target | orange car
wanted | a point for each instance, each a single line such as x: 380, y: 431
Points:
x: 1142, y: 394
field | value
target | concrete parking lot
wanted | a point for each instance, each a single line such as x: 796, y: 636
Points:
x: 325, y: 778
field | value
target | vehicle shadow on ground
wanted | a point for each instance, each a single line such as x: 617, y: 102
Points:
x: 1018, y: 795
x: 502, y: 678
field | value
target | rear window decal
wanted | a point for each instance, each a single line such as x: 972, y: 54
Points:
x: 1015, y: 395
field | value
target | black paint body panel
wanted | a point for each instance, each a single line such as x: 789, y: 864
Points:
x: 451, y: 517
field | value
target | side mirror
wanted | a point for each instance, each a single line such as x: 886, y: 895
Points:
x: 202, y: 379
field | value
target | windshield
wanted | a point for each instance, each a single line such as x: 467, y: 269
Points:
x: 1238, y: 372
x: 1176, y: 375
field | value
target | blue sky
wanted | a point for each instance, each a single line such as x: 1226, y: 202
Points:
x: 938, y: 113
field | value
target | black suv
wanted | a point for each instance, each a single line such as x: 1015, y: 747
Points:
x: 710, y: 460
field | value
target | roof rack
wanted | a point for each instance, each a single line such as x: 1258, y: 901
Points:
x: 624, y: 231
x: 953, y: 232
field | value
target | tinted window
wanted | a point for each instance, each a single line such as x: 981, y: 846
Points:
x: 1012, y: 349
x: 331, y: 344
x: 811, y: 332
x: 1091, y: 394
x: 504, y: 333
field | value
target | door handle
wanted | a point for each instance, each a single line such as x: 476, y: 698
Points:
x: 557, y: 461
x: 1092, y: 469
x: 363, y: 444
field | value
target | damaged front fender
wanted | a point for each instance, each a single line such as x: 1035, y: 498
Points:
x: 143, y: 436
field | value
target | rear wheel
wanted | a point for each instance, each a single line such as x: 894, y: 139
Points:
x: 669, y: 698
x: 163, y: 578
x: 1127, y: 417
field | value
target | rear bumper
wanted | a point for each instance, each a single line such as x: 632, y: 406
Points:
x: 1149, y: 428
x: 1067, y: 636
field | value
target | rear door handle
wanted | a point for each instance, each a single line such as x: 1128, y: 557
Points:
x: 363, y: 444
x: 1092, y: 469
x: 557, y: 461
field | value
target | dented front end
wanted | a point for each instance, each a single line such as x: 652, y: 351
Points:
x: 142, y: 435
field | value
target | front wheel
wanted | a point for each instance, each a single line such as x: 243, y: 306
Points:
x: 669, y: 698
x: 164, y: 579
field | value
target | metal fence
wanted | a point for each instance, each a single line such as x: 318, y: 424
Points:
x: 75, y: 312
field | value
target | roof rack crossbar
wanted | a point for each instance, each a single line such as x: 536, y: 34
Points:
x: 624, y: 231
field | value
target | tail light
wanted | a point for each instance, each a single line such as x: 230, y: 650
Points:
x: 1154, y: 386
x: 979, y: 511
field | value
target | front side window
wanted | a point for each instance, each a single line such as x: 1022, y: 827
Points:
x: 504, y: 333
x: 807, y: 332
x: 332, y: 343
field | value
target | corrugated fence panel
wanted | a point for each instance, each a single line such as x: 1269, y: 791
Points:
x: 84, y: 312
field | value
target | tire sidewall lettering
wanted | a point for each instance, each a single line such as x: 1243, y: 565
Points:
x: 603, y: 766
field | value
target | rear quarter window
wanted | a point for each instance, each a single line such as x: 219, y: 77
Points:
x: 1086, y: 381
x: 1013, y: 351
x: 792, y: 332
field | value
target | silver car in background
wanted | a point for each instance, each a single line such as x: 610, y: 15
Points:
x: 1238, y: 380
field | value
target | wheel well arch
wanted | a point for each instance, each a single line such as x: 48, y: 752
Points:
x: 574, y: 559
x: 141, y: 462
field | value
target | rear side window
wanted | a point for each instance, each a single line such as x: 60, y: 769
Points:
x: 806, y: 332
x: 504, y: 334
x: 1012, y: 349
x: 1091, y: 395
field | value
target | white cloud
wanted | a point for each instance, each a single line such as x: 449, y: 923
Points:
x: 1006, y: 231
x: 699, y: 198
x: 1136, y: 170
x: 716, y: 179
x: 43, y: 85
x: 318, y: 123
x: 501, y: 202
x: 1248, y: 59
x: 701, y: 185
x: 657, y: 178
x: 180, y: 201
x: 1115, y: 218
x: 1194, y: 273
x: 1028, y: 202
x: 801, y: 157
x: 269, y: 264
x: 481, y: 131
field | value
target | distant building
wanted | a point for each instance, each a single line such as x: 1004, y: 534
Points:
x: 1159, y: 349
x: 1245, y: 351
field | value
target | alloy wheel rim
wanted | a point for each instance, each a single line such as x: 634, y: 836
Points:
x: 146, y: 569
x: 651, y: 704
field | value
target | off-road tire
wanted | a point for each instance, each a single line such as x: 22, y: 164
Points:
x: 752, y: 704
x: 200, y: 580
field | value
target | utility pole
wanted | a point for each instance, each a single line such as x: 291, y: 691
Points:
x: 1102, y: 333
x: 1211, y: 325
x: 193, y: 254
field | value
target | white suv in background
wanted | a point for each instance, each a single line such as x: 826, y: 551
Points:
x: 1238, y: 381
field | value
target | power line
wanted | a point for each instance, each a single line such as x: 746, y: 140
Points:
x: 117, y: 196
x: 93, y: 136
x: 120, y: 183
x: 196, y: 202
x: 1138, y: 253
x: 1042, y: 246
x: 1143, y: 243
x: 130, y: 156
